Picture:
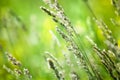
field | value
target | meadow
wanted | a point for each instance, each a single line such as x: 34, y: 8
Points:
x: 59, y: 40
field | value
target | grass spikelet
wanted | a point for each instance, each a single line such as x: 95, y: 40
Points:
x: 74, y: 76
x: 116, y: 5
x: 18, y: 69
x: 58, y: 74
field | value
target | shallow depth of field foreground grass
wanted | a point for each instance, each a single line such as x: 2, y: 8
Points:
x: 59, y: 40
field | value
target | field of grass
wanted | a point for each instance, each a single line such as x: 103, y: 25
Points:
x: 59, y: 40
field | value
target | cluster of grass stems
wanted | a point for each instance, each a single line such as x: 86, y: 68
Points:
x: 18, y: 70
x: 108, y: 62
x: 109, y: 58
x: 12, y: 65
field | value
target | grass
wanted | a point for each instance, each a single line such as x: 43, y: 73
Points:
x: 69, y: 53
x: 75, y: 45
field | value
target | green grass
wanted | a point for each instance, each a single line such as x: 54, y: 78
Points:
x: 80, y: 42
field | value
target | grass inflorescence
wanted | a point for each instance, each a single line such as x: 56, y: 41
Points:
x: 85, y: 58
x: 109, y: 57
x: 18, y: 70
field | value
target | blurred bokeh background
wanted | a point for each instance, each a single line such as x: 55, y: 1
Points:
x: 27, y: 32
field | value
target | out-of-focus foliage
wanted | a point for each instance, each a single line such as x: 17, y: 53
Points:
x: 27, y: 33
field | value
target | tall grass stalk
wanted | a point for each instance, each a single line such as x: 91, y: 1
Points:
x: 75, y: 44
